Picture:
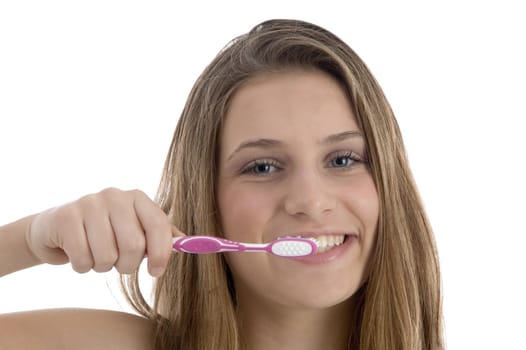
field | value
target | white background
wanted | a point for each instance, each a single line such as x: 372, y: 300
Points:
x: 90, y: 93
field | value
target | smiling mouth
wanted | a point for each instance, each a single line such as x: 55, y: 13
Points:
x: 324, y: 242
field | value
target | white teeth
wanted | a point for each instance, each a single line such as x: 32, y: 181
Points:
x: 328, y: 242
x: 324, y: 242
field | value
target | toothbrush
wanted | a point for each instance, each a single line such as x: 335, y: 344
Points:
x: 285, y: 247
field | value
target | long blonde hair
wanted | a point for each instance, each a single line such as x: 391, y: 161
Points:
x: 398, y: 307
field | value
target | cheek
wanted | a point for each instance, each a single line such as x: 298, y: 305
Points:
x: 367, y: 205
x: 362, y: 198
x: 244, y: 212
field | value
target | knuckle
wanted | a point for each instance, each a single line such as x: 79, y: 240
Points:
x: 137, y: 193
x: 158, y: 227
x: 102, y: 268
x: 134, y: 245
x: 110, y: 191
x: 126, y: 268
x: 104, y: 262
x: 110, y: 195
x: 66, y: 213
x: 82, y: 264
x: 158, y: 257
x: 90, y: 202
x: 158, y: 222
x: 116, y: 199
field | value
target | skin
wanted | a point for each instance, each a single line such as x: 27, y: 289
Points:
x: 311, y: 185
x: 103, y: 230
x: 100, y: 231
x: 80, y: 329
x: 301, y: 181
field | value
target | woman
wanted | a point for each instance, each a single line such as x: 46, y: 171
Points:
x: 286, y: 132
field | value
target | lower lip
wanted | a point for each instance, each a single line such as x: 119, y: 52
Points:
x: 330, y: 255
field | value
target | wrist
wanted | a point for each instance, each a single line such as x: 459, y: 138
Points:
x: 15, y: 253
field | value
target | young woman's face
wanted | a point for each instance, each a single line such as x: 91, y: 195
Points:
x: 292, y: 162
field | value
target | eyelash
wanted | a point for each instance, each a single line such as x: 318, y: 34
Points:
x: 250, y: 169
x: 352, y: 156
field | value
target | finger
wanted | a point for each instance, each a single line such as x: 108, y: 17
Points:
x: 176, y: 232
x: 158, y: 231
x: 129, y: 236
x: 101, y: 239
x: 73, y: 241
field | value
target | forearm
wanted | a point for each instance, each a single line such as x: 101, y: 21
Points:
x: 15, y: 254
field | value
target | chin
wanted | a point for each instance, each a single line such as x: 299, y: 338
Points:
x: 320, y: 298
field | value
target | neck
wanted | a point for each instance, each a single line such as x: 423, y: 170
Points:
x: 266, y: 327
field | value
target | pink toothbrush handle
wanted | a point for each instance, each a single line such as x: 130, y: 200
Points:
x: 205, y: 245
x: 286, y: 247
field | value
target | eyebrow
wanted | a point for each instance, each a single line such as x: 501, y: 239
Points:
x: 342, y: 136
x: 271, y: 143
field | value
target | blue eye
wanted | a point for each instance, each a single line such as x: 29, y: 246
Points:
x: 344, y: 160
x: 260, y: 167
x: 341, y: 162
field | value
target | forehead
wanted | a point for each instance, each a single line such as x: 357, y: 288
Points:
x: 287, y: 106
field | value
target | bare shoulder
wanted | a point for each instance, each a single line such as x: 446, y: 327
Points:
x: 74, y: 329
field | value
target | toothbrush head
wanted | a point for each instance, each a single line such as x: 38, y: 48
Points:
x: 293, y: 247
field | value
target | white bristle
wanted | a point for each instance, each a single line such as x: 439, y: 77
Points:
x: 292, y: 248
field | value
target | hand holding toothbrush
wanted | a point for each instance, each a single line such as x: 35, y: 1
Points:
x: 112, y: 228
x: 117, y: 229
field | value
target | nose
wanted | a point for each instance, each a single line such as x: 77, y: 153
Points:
x: 307, y: 195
